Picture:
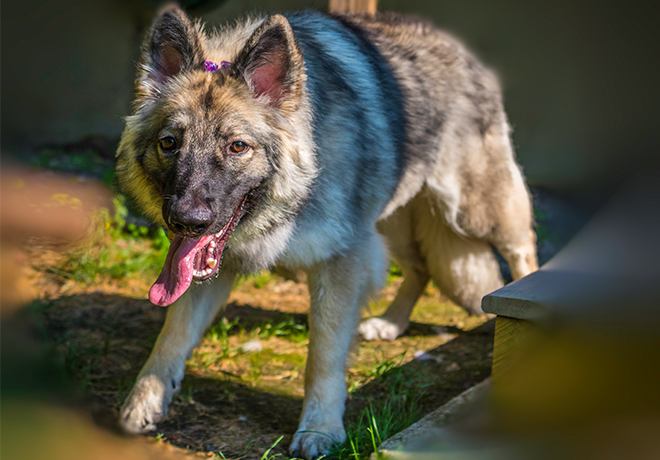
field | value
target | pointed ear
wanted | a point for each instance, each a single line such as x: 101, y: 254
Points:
x: 272, y: 64
x: 172, y: 46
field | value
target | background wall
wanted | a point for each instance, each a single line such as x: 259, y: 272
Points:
x: 580, y: 78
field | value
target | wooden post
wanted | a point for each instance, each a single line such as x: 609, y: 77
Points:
x: 353, y: 6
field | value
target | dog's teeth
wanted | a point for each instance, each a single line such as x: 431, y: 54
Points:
x: 211, y: 262
x: 212, y: 243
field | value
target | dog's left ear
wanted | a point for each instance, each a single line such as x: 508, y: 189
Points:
x: 272, y: 64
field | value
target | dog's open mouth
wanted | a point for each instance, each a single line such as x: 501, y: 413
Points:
x: 191, y: 259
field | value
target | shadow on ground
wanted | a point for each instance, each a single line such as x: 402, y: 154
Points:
x: 102, y: 340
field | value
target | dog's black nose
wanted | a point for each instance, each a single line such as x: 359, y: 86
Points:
x: 192, y: 222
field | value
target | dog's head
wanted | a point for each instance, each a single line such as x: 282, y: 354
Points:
x: 204, y: 147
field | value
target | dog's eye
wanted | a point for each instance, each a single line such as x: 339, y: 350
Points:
x: 238, y: 147
x: 167, y: 144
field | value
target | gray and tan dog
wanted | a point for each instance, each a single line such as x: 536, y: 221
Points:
x: 317, y: 142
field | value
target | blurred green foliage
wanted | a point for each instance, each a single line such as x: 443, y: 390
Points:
x: 115, y: 249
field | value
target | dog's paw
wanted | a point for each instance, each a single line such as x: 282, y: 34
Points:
x: 312, y: 444
x: 380, y: 328
x: 146, y: 405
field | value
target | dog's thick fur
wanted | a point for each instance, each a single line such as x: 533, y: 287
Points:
x: 365, y: 134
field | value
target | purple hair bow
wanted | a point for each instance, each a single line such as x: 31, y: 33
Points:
x: 210, y: 66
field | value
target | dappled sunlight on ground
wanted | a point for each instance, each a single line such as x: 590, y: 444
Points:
x: 244, y: 383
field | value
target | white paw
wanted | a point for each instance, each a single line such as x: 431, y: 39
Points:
x: 146, y: 404
x: 379, y: 328
x: 313, y: 443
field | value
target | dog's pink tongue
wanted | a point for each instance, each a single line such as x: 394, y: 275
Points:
x: 177, y: 273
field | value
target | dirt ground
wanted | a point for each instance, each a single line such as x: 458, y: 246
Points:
x: 244, y: 383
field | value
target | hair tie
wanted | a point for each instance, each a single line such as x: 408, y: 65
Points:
x: 210, y: 66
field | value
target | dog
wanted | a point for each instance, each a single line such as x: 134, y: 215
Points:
x: 317, y: 142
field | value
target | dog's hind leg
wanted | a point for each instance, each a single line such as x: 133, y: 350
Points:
x: 513, y: 235
x: 337, y: 288
x: 398, y: 231
x: 464, y: 268
x: 396, y: 318
x: 499, y: 210
x: 161, y: 376
x: 425, y: 246
x: 519, y: 250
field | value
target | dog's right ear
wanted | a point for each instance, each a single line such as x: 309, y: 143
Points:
x: 172, y: 46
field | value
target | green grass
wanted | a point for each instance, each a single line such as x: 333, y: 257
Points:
x: 259, y: 280
x: 372, y: 442
x: 393, y: 273
x: 378, y: 369
x: 377, y: 422
x: 115, y: 249
x: 266, y: 455
x: 219, y: 333
x: 86, y: 162
x: 254, y: 372
x: 287, y: 329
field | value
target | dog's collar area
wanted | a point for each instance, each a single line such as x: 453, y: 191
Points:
x: 211, y: 66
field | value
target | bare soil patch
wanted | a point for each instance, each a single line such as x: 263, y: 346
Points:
x: 237, y: 401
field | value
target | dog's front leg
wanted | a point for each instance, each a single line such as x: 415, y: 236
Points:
x: 336, y: 289
x: 161, y: 376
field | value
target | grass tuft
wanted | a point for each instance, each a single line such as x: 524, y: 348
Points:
x: 115, y: 249
x: 393, y: 273
x: 400, y: 408
x: 219, y: 333
x: 266, y: 455
x: 287, y: 329
x: 378, y: 369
